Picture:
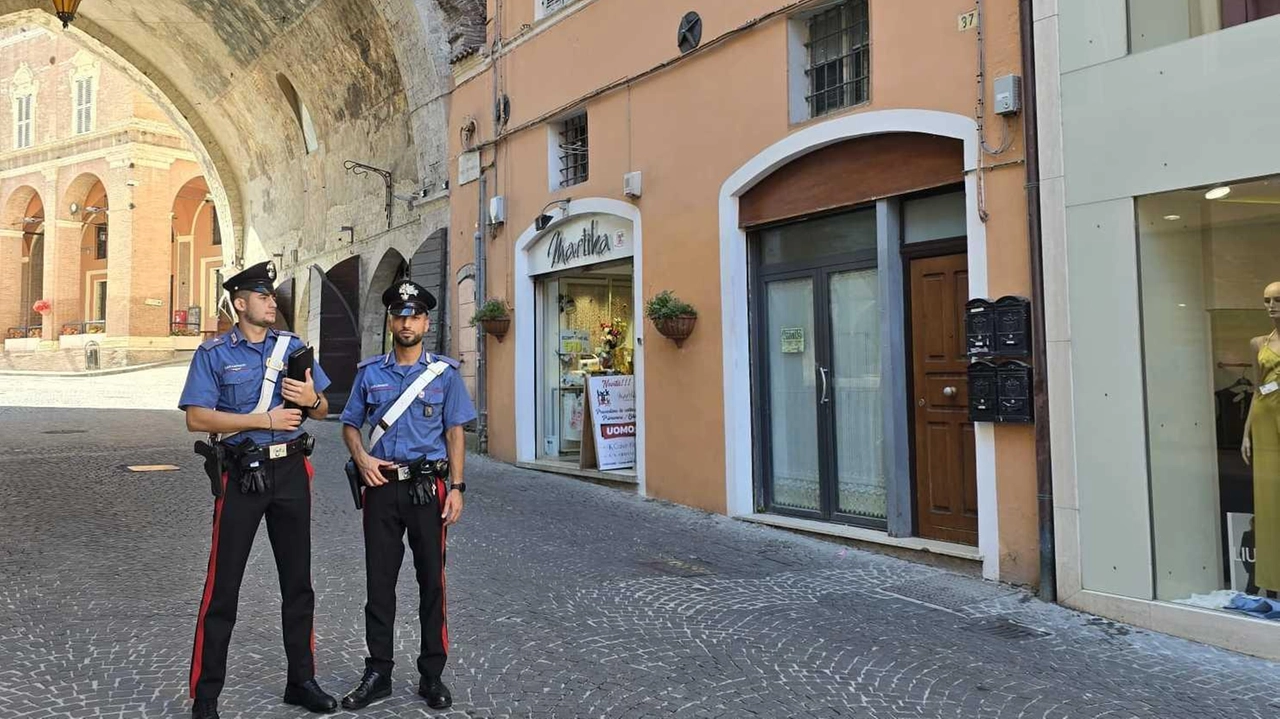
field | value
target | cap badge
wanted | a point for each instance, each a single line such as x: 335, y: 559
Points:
x: 271, y: 271
x: 407, y: 291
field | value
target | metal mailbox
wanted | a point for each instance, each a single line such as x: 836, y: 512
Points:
x: 979, y: 327
x: 1012, y: 327
x: 1015, y: 392
x: 983, y: 395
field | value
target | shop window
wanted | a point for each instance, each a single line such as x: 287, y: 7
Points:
x: 300, y: 113
x: 569, y: 152
x: 830, y: 59
x: 100, y: 243
x: 84, y: 107
x: 1153, y: 23
x: 1210, y: 292
x: 23, y: 122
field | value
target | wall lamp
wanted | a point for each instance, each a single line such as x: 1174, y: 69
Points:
x: 544, y: 220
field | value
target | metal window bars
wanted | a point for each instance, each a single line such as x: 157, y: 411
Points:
x: 839, y: 58
x: 550, y: 6
x: 573, y: 151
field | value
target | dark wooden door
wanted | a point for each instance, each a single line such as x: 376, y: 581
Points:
x: 339, y: 330
x: 945, y: 465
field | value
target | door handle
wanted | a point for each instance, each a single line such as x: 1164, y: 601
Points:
x: 823, y: 370
x: 948, y: 391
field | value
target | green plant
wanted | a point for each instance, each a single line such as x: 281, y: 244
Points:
x: 490, y: 310
x: 666, y: 306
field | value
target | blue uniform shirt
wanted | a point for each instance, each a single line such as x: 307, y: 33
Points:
x: 420, y: 430
x: 226, y: 374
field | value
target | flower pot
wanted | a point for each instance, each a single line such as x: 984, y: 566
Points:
x: 496, y: 327
x: 676, y: 329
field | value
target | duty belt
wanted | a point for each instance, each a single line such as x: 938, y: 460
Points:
x: 301, y: 445
x: 419, y: 468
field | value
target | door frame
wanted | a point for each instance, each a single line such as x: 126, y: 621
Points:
x: 911, y: 253
x: 820, y: 271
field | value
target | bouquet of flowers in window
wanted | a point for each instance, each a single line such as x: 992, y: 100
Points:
x: 42, y: 307
x: 612, y: 334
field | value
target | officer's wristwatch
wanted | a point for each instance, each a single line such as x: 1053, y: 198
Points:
x: 460, y: 486
x: 317, y: 403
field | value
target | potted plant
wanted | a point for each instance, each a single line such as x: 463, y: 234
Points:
x: 493, y: 318
x: 671, y: 316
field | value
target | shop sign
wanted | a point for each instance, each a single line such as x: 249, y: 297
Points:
x: 582, y: 240
x: 613, y: 420
x: 792, y: 340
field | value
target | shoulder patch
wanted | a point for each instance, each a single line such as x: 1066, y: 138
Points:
x: 211, y: 343
x: 449, y: 361
x: 369, y: 361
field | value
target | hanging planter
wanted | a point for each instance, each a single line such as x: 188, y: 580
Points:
x: 672, y: 317
x: 493, y: 318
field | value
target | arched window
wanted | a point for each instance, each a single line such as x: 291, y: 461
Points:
x: 300, y: 112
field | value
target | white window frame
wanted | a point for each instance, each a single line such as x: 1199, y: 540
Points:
x: 24, y: 123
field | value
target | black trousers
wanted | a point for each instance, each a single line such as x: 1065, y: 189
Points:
x: 388, y: 516
x: 236, y: 516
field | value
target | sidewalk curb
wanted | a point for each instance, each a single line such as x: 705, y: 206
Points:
x: 94, y: 373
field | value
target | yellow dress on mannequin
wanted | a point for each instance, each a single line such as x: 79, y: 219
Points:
x: 1265, y: 432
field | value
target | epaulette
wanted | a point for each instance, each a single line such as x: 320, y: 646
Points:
x: 212, y: 342
x: 448, y: 360
x: 371, y: 360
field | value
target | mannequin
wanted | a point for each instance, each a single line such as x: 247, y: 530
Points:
x: 1261, y: 446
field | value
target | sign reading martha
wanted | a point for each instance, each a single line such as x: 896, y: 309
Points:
x: 581, y: 240
x: 613, y: 420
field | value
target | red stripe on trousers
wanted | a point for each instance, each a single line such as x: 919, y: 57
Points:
x: 444, y: 596
x: 311, y: 476
x: 197, y: 657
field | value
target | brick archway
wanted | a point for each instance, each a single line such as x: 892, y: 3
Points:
x: 22, y: 222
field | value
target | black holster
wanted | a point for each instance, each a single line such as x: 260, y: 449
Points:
x: 357, y: 484
x: 214, y: 461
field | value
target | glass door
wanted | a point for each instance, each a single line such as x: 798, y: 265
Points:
x: 820, y: 422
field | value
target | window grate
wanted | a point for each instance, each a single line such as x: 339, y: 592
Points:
x: 550, y: 6
x: 573, y: 151
x: 839, y: 58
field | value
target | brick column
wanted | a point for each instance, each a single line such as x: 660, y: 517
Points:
x: 139, y: 252
x: 10, y: 279
x: 62, y: 277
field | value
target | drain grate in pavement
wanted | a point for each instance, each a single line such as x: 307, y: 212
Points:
x: 677, y: 567
x: 1002, y: 628
x: 64, y: 431
x: 949, y: 591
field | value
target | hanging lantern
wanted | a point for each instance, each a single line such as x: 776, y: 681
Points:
x: 65, y: 10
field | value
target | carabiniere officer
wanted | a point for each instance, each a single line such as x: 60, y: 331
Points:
x: 258, y: 466
x: 416, y: 403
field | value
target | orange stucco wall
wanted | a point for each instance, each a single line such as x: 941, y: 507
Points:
x: 687, y: 128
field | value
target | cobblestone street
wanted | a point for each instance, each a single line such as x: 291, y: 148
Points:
x: 566, y: 600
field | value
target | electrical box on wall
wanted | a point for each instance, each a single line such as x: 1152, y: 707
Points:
x: 631, y: 185
x: 1008, y: 91
x: 497, y: 210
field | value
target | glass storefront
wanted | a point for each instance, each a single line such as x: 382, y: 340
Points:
x: 1210, y: 297
x: 1153, y: 23
x: 587, y: 331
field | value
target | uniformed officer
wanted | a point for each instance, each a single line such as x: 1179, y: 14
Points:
x: 413, y: 483
x: 236, y: 388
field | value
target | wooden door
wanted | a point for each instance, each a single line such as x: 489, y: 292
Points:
x: 945, y: 474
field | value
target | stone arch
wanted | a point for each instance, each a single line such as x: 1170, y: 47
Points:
x: 21, y: 260
x: 373, y: 320
x: 196, y: 258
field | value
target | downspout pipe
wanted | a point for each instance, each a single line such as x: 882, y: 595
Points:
x: 1044, y: 465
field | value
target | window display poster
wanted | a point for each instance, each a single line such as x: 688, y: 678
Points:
x: 574, y: 342
x: 1243, y: 554
x: 613, y: 420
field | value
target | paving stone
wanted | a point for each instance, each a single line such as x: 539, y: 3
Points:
x: 566, y: 600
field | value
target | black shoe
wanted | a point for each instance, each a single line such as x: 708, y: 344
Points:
x: 435, y: 692
x: 310, y: 696
x: 373, y: 686
x: 205, y: 709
